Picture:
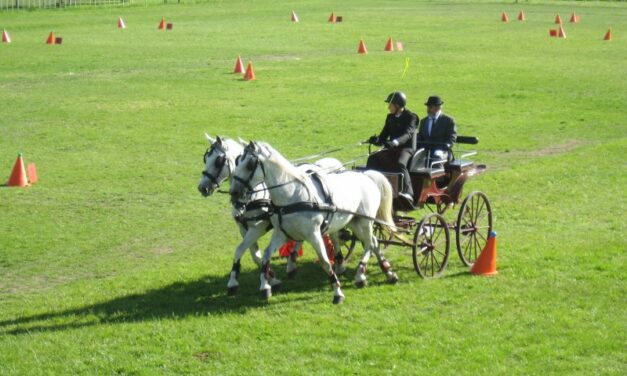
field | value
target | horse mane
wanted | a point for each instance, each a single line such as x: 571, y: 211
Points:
x: 286, y: 168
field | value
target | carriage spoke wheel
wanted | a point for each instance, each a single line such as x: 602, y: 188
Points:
x: 474, y: 223
x: 432, y: 244
x: 347, y: 242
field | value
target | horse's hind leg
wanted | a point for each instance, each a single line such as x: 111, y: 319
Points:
x: 318, y: 244
x: 384, y: 264
x: 339, y: 266
x: 363, y: 231
x: 292, y: 267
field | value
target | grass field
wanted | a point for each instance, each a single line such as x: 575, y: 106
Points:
x: 114, y: 264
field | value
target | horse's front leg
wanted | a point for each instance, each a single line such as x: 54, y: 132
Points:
x: 318, y: 244
x: 250, y: 236
x: 267, y: 276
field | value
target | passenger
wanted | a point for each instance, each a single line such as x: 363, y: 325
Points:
x: 437, y: 127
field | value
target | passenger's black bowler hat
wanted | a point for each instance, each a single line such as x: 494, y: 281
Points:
x: 434, y: 101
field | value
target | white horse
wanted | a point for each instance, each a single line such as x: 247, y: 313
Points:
x: 252, y: 212
x: 303, y: 210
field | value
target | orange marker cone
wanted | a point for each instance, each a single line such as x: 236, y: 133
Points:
x: 51, y: 38
x: 574, y: 18
x: 504, y: 17
x: 362, y: 47
x: 162, y: 24
x: 561, y: 33
x: 121, y: 24
x: 32, y: 173
x: 553, y: 32
x: 239, y: 67
x: 389, y: 46
x: 558, y: 19
x: 332, y: 17
x: 250, y: 72
x: 18, y: 175
x: 486, y: 263
x: 521, y: 16
x: 294, y: 17
x: 5, y: 37
x: 608, y: 35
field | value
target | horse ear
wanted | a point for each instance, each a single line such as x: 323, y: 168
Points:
x: 219, y: 140
x: 252, y: 145
x: 209, y: 138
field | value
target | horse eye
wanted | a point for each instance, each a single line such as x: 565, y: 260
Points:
x: 237, y: 160
x: 219, y: 161
x: 251, y: 164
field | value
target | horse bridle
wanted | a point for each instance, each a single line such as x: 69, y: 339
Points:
x: 219, y: 163
x: 251, y: 165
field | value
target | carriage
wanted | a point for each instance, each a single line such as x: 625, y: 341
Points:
x: 438, y: 185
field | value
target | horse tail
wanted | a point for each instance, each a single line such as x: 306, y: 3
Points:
x: 384, y: 213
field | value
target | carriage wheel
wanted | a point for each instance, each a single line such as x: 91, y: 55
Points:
x: 474, y: 223
x: 347, y: 242
x: 381, y: 234
x: 432, y: 244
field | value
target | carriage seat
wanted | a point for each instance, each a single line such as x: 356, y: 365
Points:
x: 423, y: 166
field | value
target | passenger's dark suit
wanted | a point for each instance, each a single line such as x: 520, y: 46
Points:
x: 444, y: 130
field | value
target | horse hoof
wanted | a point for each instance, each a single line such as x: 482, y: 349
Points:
x: 276, y: 288
x: 291, y: 274
x: 338, y: 299
x: 393, y: 279
x: 266, y: 294
x: 232, y: 290
x: 340, y: 271
x: 360, y: 284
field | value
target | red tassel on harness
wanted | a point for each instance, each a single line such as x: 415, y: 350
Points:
x: 286, y: 249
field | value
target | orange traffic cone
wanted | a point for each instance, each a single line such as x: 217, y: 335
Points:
x: 486, y: 263
x: 239, y: 67
x: 561, y: 33
x: 5, y: 37
x: 162, y: 24
x: 558, y: 19
x: 504, y: 17
x: 362, y: 47
x: 294, y: 17
x: 574, y: 18
x: 51, y: 38
x: 121, y: 24
x: 18, y: 175
x: 389, y: 46
x: 250, y: 72
x: 332, y: 17
x: 608, y: 35
x: 521, y: 16
x: 32, y: 173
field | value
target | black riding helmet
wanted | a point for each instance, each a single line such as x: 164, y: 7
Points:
x: 398, y: 98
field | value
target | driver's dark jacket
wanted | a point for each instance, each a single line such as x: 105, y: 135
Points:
x: 400, y: 128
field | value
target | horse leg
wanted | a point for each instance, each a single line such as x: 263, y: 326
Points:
x: 249, y: 236
x: 384, y: 264
x: 363, y: 231
x: 339, y: 266
x: 291, y: 260
x: 318, y: 244
x: 267, y: 276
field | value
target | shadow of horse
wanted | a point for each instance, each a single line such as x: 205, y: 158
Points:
x: 203, y: 296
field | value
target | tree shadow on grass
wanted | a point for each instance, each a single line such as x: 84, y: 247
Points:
x: 203, y: 296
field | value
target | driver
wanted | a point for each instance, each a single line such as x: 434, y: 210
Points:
x: 398, y: 138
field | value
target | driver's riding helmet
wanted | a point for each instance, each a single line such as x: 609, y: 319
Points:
x: 398, y: 98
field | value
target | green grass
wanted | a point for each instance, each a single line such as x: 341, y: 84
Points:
x: 114, y: 264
